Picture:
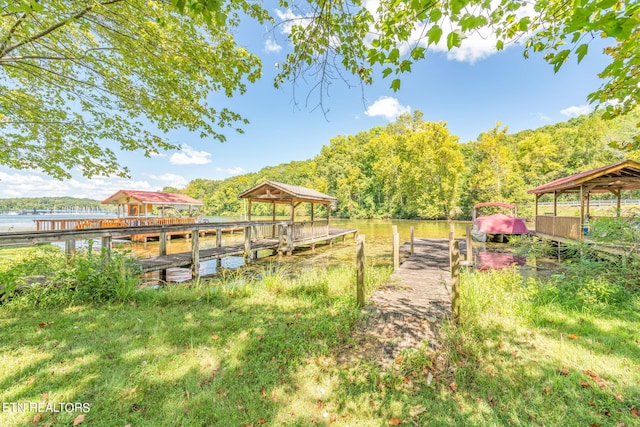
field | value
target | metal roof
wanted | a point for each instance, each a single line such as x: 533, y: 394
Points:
x: 278, y: 192
x: 623, y: 175
x: 151, y: 197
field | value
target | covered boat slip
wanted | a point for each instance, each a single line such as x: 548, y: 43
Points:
x: 614, y: 178
x: 134, y: 208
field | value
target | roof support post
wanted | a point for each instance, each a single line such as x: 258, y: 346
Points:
x: 555, y: 203
x: 292, y: 212
x: 249, y: 210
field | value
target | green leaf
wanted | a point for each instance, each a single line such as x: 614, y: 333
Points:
x: 434, y: 34
x: 405, y: 66
x: 418, y: 53
x: 386, y: 72
x: 581, y: 51
x: 453, y: 40
x: 395, y: 85
x: 499, y: 45
x: 435, y: 14
x: 393, y: 55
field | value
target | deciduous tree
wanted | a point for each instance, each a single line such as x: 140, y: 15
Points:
x: 81, y: 80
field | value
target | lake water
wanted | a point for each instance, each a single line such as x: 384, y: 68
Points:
x: 378, y: 235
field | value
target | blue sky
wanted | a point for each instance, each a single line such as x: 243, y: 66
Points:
x: 471, y: 89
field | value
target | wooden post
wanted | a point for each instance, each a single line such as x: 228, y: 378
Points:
x: 290, y: 239
x: 396, y: 251
x: 105, y: 244
x: 281, y: 236
x: 247, y: 241
x: 162, y: 252
x: 411, y: 239
x: 360, y: 270
x: 69, y: 246
x: 455, y: 279
x: 195, y: 254
x: 469, y: 245
x: 218, y: 245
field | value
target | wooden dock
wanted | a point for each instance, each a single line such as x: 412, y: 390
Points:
x: 280, y: 236
x: 410, y: 308
x: 185, y: 259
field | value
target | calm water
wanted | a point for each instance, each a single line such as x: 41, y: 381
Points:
x: 378, y: 235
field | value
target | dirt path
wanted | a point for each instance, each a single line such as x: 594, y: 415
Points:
x: 409, y: 309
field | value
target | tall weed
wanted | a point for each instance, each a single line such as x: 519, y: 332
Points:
x: 85, y: 277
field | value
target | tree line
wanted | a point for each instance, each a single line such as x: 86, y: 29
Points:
x: 417, y: 169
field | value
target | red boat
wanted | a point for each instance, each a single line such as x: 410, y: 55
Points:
x: 497, y: 226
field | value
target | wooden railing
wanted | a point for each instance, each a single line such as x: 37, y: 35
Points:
x: 568, y: 227
x: 269, y: 230
x: 82, y: 223
x: 308, y: 230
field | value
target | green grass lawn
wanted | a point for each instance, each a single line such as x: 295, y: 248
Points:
x: 260, y: 349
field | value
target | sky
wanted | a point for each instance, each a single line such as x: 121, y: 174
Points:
x: 471, y: 89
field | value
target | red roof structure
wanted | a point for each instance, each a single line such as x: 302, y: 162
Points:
x: 150, y: 198
x: 623, y: 175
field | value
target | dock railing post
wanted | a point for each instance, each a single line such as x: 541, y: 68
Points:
x: 411, y: 239
x: 469, y: 246
x: 360, y: 270
x: 455, y: 280
x: 396, y: 251
x: 289, y: 239
x: 105, y: 245
x: 218, y: 245
x: 281, y: 234
x: 162, y: 252
x: 195, y: 254
x: 247, y: 241
x: 69, y: 247
x: 396, y: 247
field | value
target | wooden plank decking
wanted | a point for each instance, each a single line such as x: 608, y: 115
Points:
x: 410, y: 308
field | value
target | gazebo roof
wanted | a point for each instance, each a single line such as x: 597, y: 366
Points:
x: 150, y: 197
x: 623, y: 175
x: 277, y: 192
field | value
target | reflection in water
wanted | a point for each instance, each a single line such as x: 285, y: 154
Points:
x: 498, y: 260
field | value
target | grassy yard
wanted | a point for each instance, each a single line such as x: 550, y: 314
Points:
x: 260, y: 349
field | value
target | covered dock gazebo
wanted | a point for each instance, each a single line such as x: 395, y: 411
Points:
x: 292, y: 195
x: 613, y: 178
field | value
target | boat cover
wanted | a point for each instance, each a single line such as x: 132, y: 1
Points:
x: 501, y: 224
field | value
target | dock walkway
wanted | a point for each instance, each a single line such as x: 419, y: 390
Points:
x: 410, y: 308
x: 184, y: 259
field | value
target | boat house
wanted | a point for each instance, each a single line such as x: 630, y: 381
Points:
x: 614, y: 178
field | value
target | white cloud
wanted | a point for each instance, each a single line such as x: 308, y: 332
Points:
x: 576, y: 110
x: 36, y: 185
x: 231, y: 171
x: 543, y: 117
x: 388, y: 107
x: 271, y: 46
x: 288, y: 19
x: 170, y: 178
x: 190, y: 156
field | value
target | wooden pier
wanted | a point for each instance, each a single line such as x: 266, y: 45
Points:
x: 280, y: 236
x: 410, y: 308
